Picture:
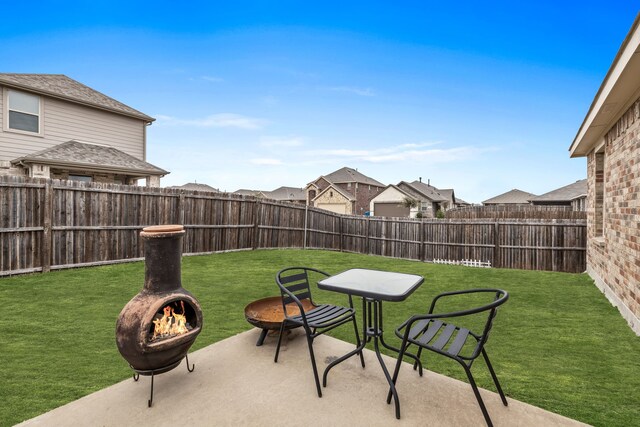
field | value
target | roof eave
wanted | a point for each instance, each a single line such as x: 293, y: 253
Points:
x: 619, y: 89
x: 140, y: 116
x: 93, y: 167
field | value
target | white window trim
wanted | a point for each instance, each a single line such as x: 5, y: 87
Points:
x: 5, y: 114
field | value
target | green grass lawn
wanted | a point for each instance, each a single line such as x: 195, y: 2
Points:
x: 557, y: 343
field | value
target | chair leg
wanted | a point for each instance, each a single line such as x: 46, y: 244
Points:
x: 495, y: 378
x: 477, y: 393
x: 275, y: 359
x: 415, y: 364
x: 396, y: 371
x: 358, y: 342
x: 313, y: 363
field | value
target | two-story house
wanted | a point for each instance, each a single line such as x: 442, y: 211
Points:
x: 56, y: 127
x: 345, y: 191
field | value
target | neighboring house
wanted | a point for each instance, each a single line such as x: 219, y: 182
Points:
x: 609, y: 138
x: 574, y: 195
x: 56, y: 127
x: 289, y: 194
x: 344, y: 191
x: 194, y: 186
x: 461, y: 203
x: 246, y: 192
x: 514, y: 197
x: 392, y: 202
x: 430, y: 199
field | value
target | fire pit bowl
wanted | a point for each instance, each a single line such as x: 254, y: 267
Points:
x: 268, y: 314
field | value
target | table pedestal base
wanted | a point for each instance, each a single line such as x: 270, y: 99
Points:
x: 372, y: 321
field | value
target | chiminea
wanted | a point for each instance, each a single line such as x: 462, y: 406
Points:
x: 156, y: 328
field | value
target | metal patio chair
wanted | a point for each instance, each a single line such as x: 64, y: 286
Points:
x: 294, y: 287
x: 431, y: 332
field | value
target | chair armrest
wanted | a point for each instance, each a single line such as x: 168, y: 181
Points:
x: 462, y: 292
x: 501, y: 297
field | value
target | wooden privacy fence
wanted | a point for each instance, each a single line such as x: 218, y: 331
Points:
x: 49, y: 224
x: 515, y: 212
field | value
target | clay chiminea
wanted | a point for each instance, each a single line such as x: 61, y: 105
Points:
x: 156, y: 328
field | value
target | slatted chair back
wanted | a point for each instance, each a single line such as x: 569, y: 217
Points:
x: 294, y: 285
x: 491, y: 309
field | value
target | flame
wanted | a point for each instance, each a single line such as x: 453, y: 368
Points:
x: 170, y: 324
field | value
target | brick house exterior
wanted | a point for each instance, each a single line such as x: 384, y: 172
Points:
x: 344, y: 191
x: 610, y: 139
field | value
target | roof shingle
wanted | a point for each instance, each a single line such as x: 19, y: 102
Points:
x: 61, y: 86
x: 564, y: 194
x: 351, y: 175
x: 91, y: 156
x: 514, y: 196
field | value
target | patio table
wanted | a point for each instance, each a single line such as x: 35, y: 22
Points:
x: 373, y: 287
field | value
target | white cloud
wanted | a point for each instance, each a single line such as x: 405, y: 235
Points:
x: 269, y: 101
x: 423, y: 152
x: 266, y: 162
x: 354, y: 90
x: 276, y: 141
x: 212, y: 79
x: 222, y: 120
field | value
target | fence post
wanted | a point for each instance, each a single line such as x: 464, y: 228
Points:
x: 181, y: 208
x: 496, y: 243
x: 421, y: 251
x: 47, y: 236
x: 340, y: 218
x: 256, y: 228
x: 367, y: 241
x: 306, y: 216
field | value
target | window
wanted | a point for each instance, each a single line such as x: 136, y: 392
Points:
x: 23, y: 111
x: 81, y: 178
x: 599, y: 193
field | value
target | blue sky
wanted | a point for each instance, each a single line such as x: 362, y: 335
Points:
x: 482, y: 97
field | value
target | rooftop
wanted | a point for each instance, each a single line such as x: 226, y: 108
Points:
x: 346, y: 174
x: 566, y: 193
x: 61, y: 86
x: 195, y: 186
x: 514, y: 196
x: 76, y: 154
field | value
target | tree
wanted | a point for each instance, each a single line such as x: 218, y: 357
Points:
x: 409, y: 202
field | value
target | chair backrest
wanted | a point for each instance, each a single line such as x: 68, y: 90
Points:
x: 500, y: 298
x: 294, y: 285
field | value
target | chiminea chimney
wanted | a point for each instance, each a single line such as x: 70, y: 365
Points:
x: 429, y: 182
x: 420, y: 179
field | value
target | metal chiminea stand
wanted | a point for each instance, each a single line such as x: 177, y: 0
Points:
x: 158, y: 326
x: 153, y: 372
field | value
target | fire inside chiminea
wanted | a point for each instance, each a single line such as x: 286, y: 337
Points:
x: 170, y: 323
x: 158, y: 326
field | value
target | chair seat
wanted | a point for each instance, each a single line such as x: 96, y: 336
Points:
x: 324, y: 315
x: 435, y: 334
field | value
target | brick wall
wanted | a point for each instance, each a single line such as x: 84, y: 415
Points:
x: 613, y: 252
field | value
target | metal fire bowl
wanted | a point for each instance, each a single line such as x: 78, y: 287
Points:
x: 267, y: 313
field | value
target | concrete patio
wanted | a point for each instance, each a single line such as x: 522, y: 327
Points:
x: 236, y: 383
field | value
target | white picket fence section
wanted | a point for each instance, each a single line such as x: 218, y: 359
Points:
x: 465, y: 262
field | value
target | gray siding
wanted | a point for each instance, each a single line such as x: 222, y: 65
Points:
x: 64, y: 121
